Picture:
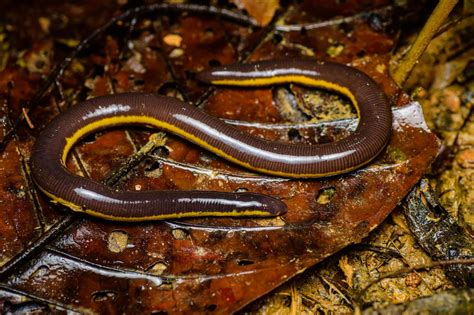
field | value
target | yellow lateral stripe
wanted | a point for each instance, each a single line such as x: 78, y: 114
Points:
x: 146, y: 120
x: 318, y: 83
x: 61, y: 201
x: 253, y: 213
x: 151, y: 121
x: 77, y: 208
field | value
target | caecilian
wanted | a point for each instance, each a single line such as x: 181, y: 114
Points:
x: 274, y: 158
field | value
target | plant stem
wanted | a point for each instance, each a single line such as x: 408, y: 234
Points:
x: 440, y: 13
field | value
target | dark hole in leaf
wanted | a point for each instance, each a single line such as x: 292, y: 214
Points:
x: 98, y: 70
x: 39, y: 64
x: 90, y: 138
x: 245, y: 262
x: 168, y: 88
x: 277, y: 38
x: 241, y: 190
x: 255, y: 28
x: 303, y: 31
x: 135, y: 34
x: 325, y: 195
x: 58, y: 22
x: 211, y: 307
x: 347, y: 27
x: 161, y: 151
x: 294, y: 135
x: 104, y: 295
x: 151, y: 165
x: 209, y: 30
x: 139, y: 82
x: 189, y: 75
x: 361, y: 53
x: 214, y: 63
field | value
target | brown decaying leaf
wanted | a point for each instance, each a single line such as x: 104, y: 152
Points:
x: 198, y: 265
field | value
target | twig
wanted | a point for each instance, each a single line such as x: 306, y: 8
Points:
x: 294, y: 300
x: 333, y: 287
x: 27, y: 118
x: 331, y: 22
x: 154, y: 141
x: 431, y: 27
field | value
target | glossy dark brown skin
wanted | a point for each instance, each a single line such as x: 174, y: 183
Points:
x: 370, y: 137
x: 51, y: 176
x: 364, y: 144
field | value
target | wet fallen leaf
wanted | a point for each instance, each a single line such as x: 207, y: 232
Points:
x: 201, y: 265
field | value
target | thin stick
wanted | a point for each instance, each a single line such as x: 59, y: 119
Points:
x: 431, y: 27
x: 27, y: 118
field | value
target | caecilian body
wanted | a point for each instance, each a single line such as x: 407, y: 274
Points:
x: 274, y: 158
